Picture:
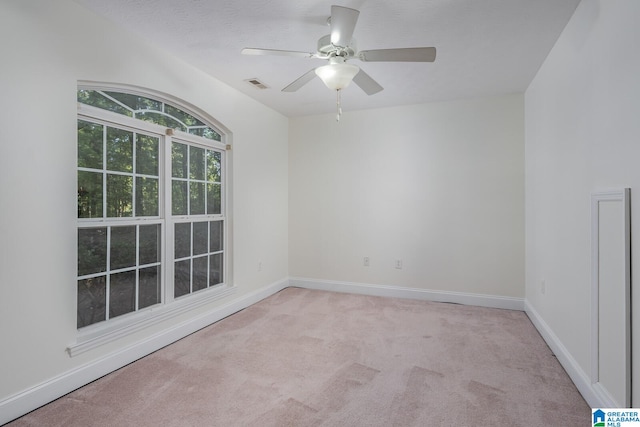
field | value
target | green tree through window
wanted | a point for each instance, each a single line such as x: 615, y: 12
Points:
x: 149, y: 110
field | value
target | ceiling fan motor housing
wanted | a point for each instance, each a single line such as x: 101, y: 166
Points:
x: 325, y: 47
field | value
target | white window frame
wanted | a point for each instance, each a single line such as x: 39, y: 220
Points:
x: 95, y: 335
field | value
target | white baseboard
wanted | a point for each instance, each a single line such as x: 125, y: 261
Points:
x: 594, y: 397
x: 19, y: 404
x: 492, y: 301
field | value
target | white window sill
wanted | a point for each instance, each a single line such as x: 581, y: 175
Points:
x: 94, y: 337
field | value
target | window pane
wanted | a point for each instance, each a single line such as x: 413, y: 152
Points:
x: 149, y: 244
x: 214, y: 199
x: 211, y: 134
x: 185, y: 118
x: 147, y: 155
x: 200, y: 236
x: 196, y: 195
x: 178, y: 160
x: 119, y: 196
x: 92, y: 250
x: 89, y: 145
x: 160, y: 119
x: 123, y: 247
x: 182, y: 247
x: 97, y: 99
x: 216, y: 237
x: 215, y: 269
x: 179, y: 195
x: 196, y: 163
x: 119, y: 150
x: 92, y: 301
x: 213, y: 166
x: 182, y: 278
x: 136, y: 102
x: 199, y: 273
x: 205, y: 132
x: 146, y: 196
x: 89, y: 195
x: 122, y: 293
x: 149, y: 285
x: 200, y: 131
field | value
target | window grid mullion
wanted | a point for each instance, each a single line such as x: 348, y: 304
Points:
x: 92, y: 275
x: 133, y: 176
x: 120, y: 173
x: 137, y: 284
x: 169, y: 229
x: 188, y: 179
x: 206, y: 190
x: 104, y: 171
x: 191, y: 258
x: 108, y: 278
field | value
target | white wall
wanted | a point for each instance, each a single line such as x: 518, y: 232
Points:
x: 46, y: 48
x: 582, y: 134
x: 439, y: 186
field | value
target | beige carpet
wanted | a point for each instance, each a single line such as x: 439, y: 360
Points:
x: 313, y: 358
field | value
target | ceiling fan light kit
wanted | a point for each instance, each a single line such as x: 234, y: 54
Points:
x: 338, y: 74
x: 338, y: 47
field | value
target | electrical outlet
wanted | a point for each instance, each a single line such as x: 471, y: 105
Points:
x: 259, y: 265
x: 365, y: 261
x: 398, y: 264
x: 543, y: 286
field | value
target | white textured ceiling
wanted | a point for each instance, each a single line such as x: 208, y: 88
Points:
x: 485, y: 47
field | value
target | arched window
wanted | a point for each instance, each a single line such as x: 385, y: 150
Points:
x: 148, y: 109
x: 151, y: 206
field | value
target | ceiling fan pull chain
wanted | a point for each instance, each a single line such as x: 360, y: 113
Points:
x: 338, y: 104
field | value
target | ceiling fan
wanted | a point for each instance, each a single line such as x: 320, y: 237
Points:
x: 338, y: 47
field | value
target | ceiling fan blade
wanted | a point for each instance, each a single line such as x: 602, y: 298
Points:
x: 410, y: 54
x: 301, y: 81
x: 366, y: 83
x: 258, y: 51
x: 343, y: 23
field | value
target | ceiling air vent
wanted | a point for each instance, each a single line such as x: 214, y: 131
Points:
x: 257, y: 83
